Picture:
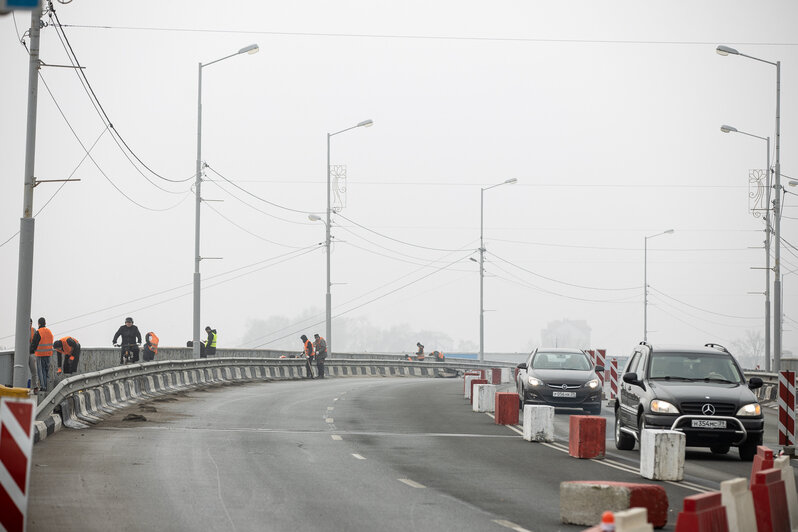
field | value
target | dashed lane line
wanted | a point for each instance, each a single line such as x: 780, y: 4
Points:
x: 358, y: 456
x: 330, y: 420
x: 511, y: 525
x: 411, y: 483
x: 336, y: 437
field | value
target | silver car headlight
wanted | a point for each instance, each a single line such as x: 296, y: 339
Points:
x: 534, y: 381
x: 663, y: 407
x: 752, y: 409
x: 592, y: 384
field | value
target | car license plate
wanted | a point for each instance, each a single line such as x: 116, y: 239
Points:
x: 564, y: 394
x: 709, y: 424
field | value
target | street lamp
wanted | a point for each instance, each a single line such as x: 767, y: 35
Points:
x: 777, y: 303
x: 730, y: 129
x: 645, y: 281
x: 364, y: 123
x: 251, y: 49
x: 482, y: 265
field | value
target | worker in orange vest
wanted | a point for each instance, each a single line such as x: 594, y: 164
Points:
x: 308, y: 354
x: 150, y: 347
x: 70, y: 349
x: 420, y: 352
x: 42, y: 347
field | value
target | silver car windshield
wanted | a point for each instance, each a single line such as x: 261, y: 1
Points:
x: 694, y: 366
x: 573, y: 361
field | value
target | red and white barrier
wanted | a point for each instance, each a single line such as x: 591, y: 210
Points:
x: 786, y: 408
x: 601, y: 357
x: 16, y: 448
x: 613, y: 378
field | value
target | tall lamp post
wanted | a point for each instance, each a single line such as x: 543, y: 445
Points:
x: 251, y: 49
x: 645, y: 281
x: 725, y: 50
x: 482, y: 265
x: 730, y: 129
x: 328, y: 302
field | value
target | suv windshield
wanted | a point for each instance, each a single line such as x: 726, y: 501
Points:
x: 694, y: 366
x: 574, y: 361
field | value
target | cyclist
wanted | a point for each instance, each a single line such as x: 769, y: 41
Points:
x: 131, y: 337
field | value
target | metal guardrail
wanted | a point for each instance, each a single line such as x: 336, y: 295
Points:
x: 84, y: 381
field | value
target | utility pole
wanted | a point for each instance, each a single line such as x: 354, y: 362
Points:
x: 27, y: 222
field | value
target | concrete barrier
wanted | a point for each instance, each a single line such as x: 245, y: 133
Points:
x: 467, y: 379
x: 583, y: 501
x: 770, y: 502
x: 739, y: 504
x: 538, y: 423
x: 587, y: 436
x: 506, y: 408
x: 782, y: 463
x: 474, y: 383
x: 484, y: 397
x: 762, y: 460
x: 703, y: 513
x: 662, y: 454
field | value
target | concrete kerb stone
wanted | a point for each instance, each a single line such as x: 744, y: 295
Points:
x: 484, y: 397
x: 662, y: 454
x: 739, y: 503
x: 583, y: 501
x: 538, y: 423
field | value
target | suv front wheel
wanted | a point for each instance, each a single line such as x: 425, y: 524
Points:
x: 623, y: 441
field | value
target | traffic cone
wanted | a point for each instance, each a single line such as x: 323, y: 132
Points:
x: 607, y: 522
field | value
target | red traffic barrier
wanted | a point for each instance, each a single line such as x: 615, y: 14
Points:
x: 506, y: 408
x: 496, y: 375
x: 770, y: 501
x: 587, y: 436
x: 473, y: 382
x: 584, y: 501
x: 703, y: 513
x: 763, y: 460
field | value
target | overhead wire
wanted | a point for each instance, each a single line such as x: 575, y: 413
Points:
x: 211, y: 207
x: 392, y: 238
x: 273, y: 204
x: 703, y: 309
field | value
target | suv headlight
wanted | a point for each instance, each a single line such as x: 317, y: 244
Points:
x: 592, y: 384
x: 534, y: 382
x: 752, y: 409
x: 663, y: 407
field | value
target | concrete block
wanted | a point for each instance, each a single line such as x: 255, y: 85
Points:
x: 633, y: 520
x: 467, y: 385
x: 770, y: 501
x: 495, y: 375
x: 475, y: 382
x: 506, y: 375
x: 539, y: 423
x: 762, y: 460
x: 739, y: 504
x: 587, y: 436
x: 662, y: 454
x: 506, y: 408
x: 484, y: 398
x: 703, y: 512
x: 583, y: 501
x: 782, y: 463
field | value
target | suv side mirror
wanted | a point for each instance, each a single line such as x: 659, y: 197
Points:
x: 522, y: 365
x: 599, y: 369
x: 754, y: 383
x: 630, y: 378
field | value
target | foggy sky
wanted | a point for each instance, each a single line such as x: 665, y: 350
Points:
x: 607, y: 113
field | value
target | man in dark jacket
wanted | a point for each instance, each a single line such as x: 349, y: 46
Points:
x: 320, y: 344
x: 130, y: 338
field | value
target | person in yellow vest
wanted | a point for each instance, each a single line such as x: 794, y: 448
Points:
x: 150, y: 347
x: 33, y: 382
x: 42, y: 346
x: 210, y: 344
x: 70, y: 349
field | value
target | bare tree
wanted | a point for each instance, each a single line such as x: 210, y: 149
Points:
x: 750, y: 351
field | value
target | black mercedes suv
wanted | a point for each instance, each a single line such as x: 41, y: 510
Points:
x: 701, y: 392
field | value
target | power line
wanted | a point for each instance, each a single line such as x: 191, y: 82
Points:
x: 391, y: 238
x: 421, y: 37
x: 250, y: 232
x: 703, y: 309
x: 564, y: 282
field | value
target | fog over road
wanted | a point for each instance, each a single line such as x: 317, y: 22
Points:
x: 339, y: 454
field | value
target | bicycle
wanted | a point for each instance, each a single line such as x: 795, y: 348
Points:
x: 128, y: 355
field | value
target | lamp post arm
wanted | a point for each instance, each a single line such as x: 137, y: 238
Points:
x: 217, y: 60
x: 776, y: 64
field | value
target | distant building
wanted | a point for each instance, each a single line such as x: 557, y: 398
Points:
x: 566, y: 333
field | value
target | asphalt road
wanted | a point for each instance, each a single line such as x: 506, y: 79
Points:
x: 340, y: 454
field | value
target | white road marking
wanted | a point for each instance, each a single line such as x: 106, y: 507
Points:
x: 610, y: 462
x: 359, y: 457
x: 411, y: 483
x: 330, y: 408
x: 510, y: 525
x: 336, y: 437
x: 330, y: 420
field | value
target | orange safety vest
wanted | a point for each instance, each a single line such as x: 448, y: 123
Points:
x: 45, y: 348
x: 308, y: 348
x: 32, y: 332
x: 65, y: 347
x: 153, y: 342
